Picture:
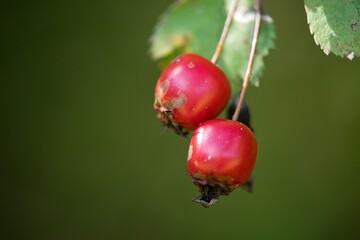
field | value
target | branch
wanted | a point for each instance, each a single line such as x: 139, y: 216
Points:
x: 225, y: 32
x: 257, y: 8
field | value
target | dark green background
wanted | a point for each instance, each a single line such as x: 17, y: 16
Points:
x: 83, y: 157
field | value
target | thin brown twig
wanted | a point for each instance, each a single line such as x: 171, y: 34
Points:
x: 251, y: 58
x: 225, y: 31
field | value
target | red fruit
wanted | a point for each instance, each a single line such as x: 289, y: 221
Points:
x: 221, y: 157
x: 190, y: 91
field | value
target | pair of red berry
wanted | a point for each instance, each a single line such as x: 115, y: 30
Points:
x: 189, y: 94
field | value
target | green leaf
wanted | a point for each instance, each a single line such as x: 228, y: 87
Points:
x: 335, y: 25
x: 238, y: 43
x: 188, y: 26
x: 196, y: 25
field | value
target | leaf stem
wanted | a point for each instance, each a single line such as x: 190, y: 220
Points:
x: 225, y: 31
x: 257, y: 7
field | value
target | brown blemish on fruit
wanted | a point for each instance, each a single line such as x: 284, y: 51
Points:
x: 178, y: 102
x: 157, y: 104
x: 167, y: 106
x: 191, y: 65
x: 199, y: 176
x: 164, y: 86
x: 223, y: 181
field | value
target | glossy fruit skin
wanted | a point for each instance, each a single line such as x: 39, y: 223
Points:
x: 222, y: 152
x: 190, y: 91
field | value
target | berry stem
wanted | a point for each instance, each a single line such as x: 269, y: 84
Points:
x: 257, y: 7
x: 225, y: 31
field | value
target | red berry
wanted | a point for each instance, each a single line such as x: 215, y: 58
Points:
x: 190, y: 91
x: 221, y: 157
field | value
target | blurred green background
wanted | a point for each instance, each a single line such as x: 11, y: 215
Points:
x: 82, y: 155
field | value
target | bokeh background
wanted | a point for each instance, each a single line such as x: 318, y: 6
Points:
x: 82, y: 156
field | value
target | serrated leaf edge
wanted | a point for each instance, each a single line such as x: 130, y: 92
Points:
x: 349, y: 56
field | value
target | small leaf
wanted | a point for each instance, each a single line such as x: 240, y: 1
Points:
x: 335, y: 25
x: 196, y: 25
